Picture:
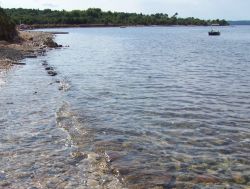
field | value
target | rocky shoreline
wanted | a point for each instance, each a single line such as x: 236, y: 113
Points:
x: 29, y: 44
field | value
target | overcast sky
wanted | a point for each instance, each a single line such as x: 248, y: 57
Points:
x: 206, y: 9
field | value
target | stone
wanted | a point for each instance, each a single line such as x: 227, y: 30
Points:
x: 207, y: 179
x: 49, y: 68
x: 52, y: 73
x: 92, y: 183
x: 112, y: 156
x: 50, y: 43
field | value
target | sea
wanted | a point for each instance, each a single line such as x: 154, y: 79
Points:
x: 135, y: 107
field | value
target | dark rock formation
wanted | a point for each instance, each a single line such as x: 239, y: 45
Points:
x: 50, y: 43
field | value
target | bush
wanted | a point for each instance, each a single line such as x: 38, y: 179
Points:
x: 7, y: 27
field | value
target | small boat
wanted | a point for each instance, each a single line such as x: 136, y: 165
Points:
x: 212, y: 32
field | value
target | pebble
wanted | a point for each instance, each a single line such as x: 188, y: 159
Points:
x: 92, y: 183
x: 93, y: 156
x: 79, y: 155
x: 238, y: 178
x: 207, y: 179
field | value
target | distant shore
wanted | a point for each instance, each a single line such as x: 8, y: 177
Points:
x: 40, y: 26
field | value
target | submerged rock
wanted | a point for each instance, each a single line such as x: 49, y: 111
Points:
x: 45, y: 64
x: 49, y: 68
x: 239, y: 178
x: 206, y: 179
x: 2, y: 176
x: 79, y: 155
x: 52, y: 73
x: 112, y: 156
x: 92, y: 183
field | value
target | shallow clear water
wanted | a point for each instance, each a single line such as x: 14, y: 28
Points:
x: 144, y: 107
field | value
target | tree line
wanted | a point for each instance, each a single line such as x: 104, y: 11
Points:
x: 99, y: 17
x: 7, y: 27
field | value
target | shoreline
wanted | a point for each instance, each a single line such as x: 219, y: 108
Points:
x: 29, y: 45
x: 42, y: 26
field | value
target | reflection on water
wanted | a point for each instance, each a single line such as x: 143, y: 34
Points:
x: 131, y: 108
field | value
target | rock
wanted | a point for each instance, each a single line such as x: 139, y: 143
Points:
x: 92, y: 183
x: 238, y: 178
x: 52, y: 73
x: 50, y: 43
x: 30, y: 56
x: 112, y: 156
x: 93, y: 156
x: 18, y: 63
x: 207, y: 179
x: 2, y: 176
x: 79, y: 155
x: 49, y: 68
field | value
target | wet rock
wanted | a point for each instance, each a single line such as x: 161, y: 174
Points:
x: 49, y: 68
x: 79, y: 155
x: 92, y: 183
x: 206, y: 179
x: 5, y: 184
x: 30, y: 56
x: 52, y: 73
x: 45, y: 64
x: 18, y: 63
x: 112, y: 156
x: 50, y: 43
x: 238, y: 178
x: 25, y: 175
x: 60, y: 88
x: 115, y: 171
x: 2, y: 176
x: 120, y: 171
x: 93, y: 156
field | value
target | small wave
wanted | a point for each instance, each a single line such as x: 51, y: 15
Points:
x: 80, y: 139
x: 64, y: 84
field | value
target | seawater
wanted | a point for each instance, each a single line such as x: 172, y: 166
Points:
x: 136, y: 107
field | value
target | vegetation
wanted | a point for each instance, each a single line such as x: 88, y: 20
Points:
x: 7, y: 27
x: 95, y: 16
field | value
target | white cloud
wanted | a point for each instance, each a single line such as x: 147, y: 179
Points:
x: 49, y: 5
